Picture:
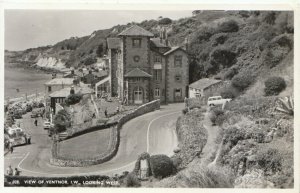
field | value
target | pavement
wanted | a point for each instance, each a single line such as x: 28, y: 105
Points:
x: 153, y: 132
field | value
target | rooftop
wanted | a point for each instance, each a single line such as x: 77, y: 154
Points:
x: 66, y: 91
x: 173, y: 49
x: 203, y: 83
x: 60, y: 81
x: 158, y: 43
x: 137, y: 73
x: 113, y: 43
x: 136, y: 31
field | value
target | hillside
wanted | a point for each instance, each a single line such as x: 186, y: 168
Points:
x: 221, y: 44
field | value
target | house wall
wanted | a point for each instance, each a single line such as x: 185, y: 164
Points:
x: 161, y: 84
x: 193, y: 92
x: 132, y: 85
x: 56, y: 88
x: 172, y: 71
x: 113, y: 65
x: 214, y: 90
x: 143, y: 52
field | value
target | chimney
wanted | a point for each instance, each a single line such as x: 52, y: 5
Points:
x: 72, y: 91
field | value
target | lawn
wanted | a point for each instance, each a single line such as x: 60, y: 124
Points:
x: 86, y: 146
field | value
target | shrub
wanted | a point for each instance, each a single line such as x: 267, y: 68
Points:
x: 229, y: 93
x: 269, y: 160
x: 242, y: 81
x: 230, y: 73
x: 161, y: 166
x: 216, y: 116
x: 165, y: 21
x: 132, y: 180
x: 222, y: 57
x: 41, y: 105
x: 89, y: 61
x: 274, y: 85
x: 228, y: 26
x: 73, y: 99
x: 61, y: 120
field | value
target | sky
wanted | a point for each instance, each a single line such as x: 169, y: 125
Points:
x: 32, y: 28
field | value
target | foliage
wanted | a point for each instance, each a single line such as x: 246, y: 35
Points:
x: 41, y: 105
x: 216, y: 116
x: 132, y: 180
x: 274, y: 85
x: 230, y: 73
x: 228, y: 26
x: 269, y: 160
x: 242, y: 81
x: 165, y: 21
x: 61, y: 120
x: 286, y: 106
x: 229, y: 93
x: 222, y: 57
x: 100, y: 50
x: 73, y: 99
x: 89, y: 61
x: 161, y: 166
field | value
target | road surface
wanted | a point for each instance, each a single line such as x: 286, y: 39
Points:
x: 153, y: 132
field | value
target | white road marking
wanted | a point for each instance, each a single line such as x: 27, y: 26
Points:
x: 148, y: 130
x: 97, y: 172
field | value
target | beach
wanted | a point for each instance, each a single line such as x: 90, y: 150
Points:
x: 21, y: 81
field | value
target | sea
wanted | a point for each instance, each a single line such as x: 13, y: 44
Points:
x: 20, y: 81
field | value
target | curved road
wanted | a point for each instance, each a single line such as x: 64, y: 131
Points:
x: 153, y: 132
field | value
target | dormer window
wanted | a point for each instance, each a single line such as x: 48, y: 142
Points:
x: 136, y: 42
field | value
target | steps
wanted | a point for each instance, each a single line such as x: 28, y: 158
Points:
x: 62, y: 136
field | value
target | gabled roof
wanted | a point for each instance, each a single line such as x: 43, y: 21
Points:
x: 137, y: 73
x: 136, y: 31
x: 173, y: 49
x: 158, y: 43
x: 203, y: 83
x: 60, y: 81
x: 113, y: 43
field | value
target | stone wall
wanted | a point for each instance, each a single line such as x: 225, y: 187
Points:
x: 111, y: 152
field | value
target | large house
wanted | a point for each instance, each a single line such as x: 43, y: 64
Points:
x: 143, y: 68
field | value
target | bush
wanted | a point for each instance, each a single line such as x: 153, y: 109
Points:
x: 41, y: 105
x: 161, y: 166
x: 61, y: 120
x: 73, y: 99
x: 229, y: 93
x: 222, y: 57
x: 89, y: 61
x: 269, y: 160
x: 242, y: 81
x: 132, y: 180
x: 228, y: 26
x: 217, y: 116
x: 165, y: 21
x: 274, y: 85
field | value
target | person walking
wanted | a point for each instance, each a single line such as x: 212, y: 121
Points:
x: 35, y: 122
x: 105, y: 112
x: 9, y: 171
x: 11, y: 148
x: 17, y: 172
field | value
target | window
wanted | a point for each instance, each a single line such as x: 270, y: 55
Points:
x: 157, y: 59
x: 178, y: 61
x: 157, y: 75
x: 136, y: 58
x: 178, y: 92
x: 178, y: 78
x: 49, y: 89
x: 136, y: 42
x: 157, y: 92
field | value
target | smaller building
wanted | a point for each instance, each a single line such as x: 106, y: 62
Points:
x: 205, y: 88
x: 56, y: 84
x: 59, y: 97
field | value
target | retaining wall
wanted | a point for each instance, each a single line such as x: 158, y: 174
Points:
x: 58, y: 160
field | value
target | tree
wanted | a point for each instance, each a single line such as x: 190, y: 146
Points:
x: 100, y: 50
x: 165, y: 21
x: 61, y: 121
